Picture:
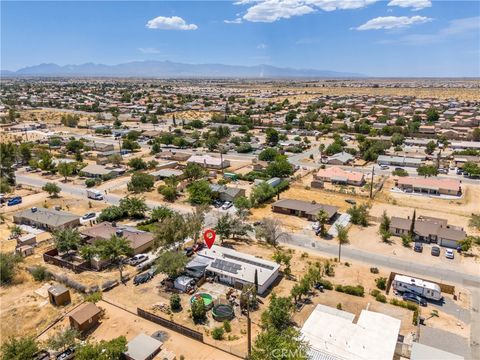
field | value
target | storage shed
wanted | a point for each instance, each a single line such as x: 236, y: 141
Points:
x: 85, y: 317
x: 59, y: 295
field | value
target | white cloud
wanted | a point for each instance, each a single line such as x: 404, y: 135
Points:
x: 234, y: 21
x: 457, y: 27
x: 262, y: 46
x: 273, y: 10
x: 331, y: 5
x: 414, y: 4
x: 393, y: 22
x: 170, y: 23
x: 149, y: 50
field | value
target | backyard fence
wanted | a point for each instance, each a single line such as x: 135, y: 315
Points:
x: 170, y: 325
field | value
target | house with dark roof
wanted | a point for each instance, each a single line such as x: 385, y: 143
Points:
x: 48, y: 219
x: 429, y: 229
x: 85, y: 317
x: 302, y: 208
x: 341, y: 158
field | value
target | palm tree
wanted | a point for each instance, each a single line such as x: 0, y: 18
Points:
x: 322, y: 218
x: 66, y: 239
x: 114, y: 249
x: 342, y: 234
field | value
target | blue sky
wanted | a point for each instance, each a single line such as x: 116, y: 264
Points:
x: 376, y: 38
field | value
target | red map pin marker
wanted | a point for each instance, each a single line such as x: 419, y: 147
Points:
x: 209, y: 237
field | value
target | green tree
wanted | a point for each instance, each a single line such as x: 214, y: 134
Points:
x: 278, y: 315
x: 359, y: 214
x: 194, y: 171
x: 66, y: 239
x: 137, y: 164
x: 114, y: 250
x: 384, y: 229
x: 115, y: 159
x: 111, y: 213
x: 242, y: 204
x: 63, y: 339
x: 475, y: 221
x: 272, y: 136
x: 7, y: 171
x: 427, y: 170
x: 175, y: 302
x: 432, y: 115
x: 397, y: 139
x: 161, y: 213
x: 171, y: 263
x: 471, y: 168
x: 261, y: 193
x: 172, y: 231
x: 200, y: 192
x: 467, y: 243
x: 198, y: 310
x: 223, y: 228
x: 133, y: 207
x: 279, y: 168
x: 140, y: 182
x: 52, y: 189
x: 131, y: 145
x: 8, y: 267
x: 430, y: 148
x: 65, y: 169
x: 20, y: 348
x: 104, y: 350
x: 322, y: 218
x: 269, y: 154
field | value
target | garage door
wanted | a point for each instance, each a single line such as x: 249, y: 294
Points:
x: 448, y: 243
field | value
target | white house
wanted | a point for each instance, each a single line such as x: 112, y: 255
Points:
x: 236, y: 269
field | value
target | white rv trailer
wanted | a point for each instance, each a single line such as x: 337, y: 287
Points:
x: 428, y: 290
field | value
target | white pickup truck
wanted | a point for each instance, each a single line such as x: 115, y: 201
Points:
x: 94, y: 194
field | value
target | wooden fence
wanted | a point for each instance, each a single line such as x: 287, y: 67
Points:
x: 170, y: 325
x: 51, y: 257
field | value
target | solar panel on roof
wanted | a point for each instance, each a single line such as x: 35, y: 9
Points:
x: 226, y: 266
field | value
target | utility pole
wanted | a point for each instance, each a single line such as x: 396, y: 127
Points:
x: 371, y: 183
x: 249, y: 324
x: 339, y: 250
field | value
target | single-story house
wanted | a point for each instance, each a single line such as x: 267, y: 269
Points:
x: 259, y: 165
x: 85, y: 317
x: 399, y: 161
x: 227, y: 193
x: 143, y: 347
x: 302, y: 208
x: 48, y: 219
x: 24, y: 250
x: 332, y: 334
x: 140, y: 241
x: 237, y: 269
x: 430, y: 230
x: 464, y: 145
x: 100, y: 146
x: 341, y: 158
x: 431, y: 185
x: 337, y: 175
x: 425, y: 352
x: 209, y: 162
x: 166, y: 173
x: 173, y: 155
x: 97, y: 171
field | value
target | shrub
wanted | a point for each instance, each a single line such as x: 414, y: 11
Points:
x: 91, y: 183
x: 351, y: 290
x: 199, y: 311
x: 227, y: 326
x: 381, y: 283
x: 404, y: 304
x: 40, y: 273
x: 339, y: 306
x: 406, y: 240
x: 326, y: 284
x: 375, y: 292
x: 381, y: 298
x: 94, y: 297
x: 374, y: 270
x: 217, y: 333
x: 175, y: 302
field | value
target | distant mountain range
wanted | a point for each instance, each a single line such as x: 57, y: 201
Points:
x: 168, y: 69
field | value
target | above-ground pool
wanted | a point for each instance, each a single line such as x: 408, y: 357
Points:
x: 222, y: 312
x: 207, y: 299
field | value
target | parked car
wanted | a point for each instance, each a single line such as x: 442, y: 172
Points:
x: 399, y: 169
x: 66, y: 355
x: 443, y: 171
x: 217, y: 203
x: 418, y: 247
x: 14, y: 201
x: 188, y: 251
x: 459, y: 172
x: 384, y: 167
x: 227, y: 205
x: 89, y: 216
x: 143, y: 277
x: 449, y: 254
x: 138, y: 259
x: 316, y: 225
x: 407, y: 296
x: 351, y: 201
x: 435, y: 251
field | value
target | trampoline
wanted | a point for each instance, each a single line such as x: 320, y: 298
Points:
x: 222, y: 312
x: 207, y: 299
